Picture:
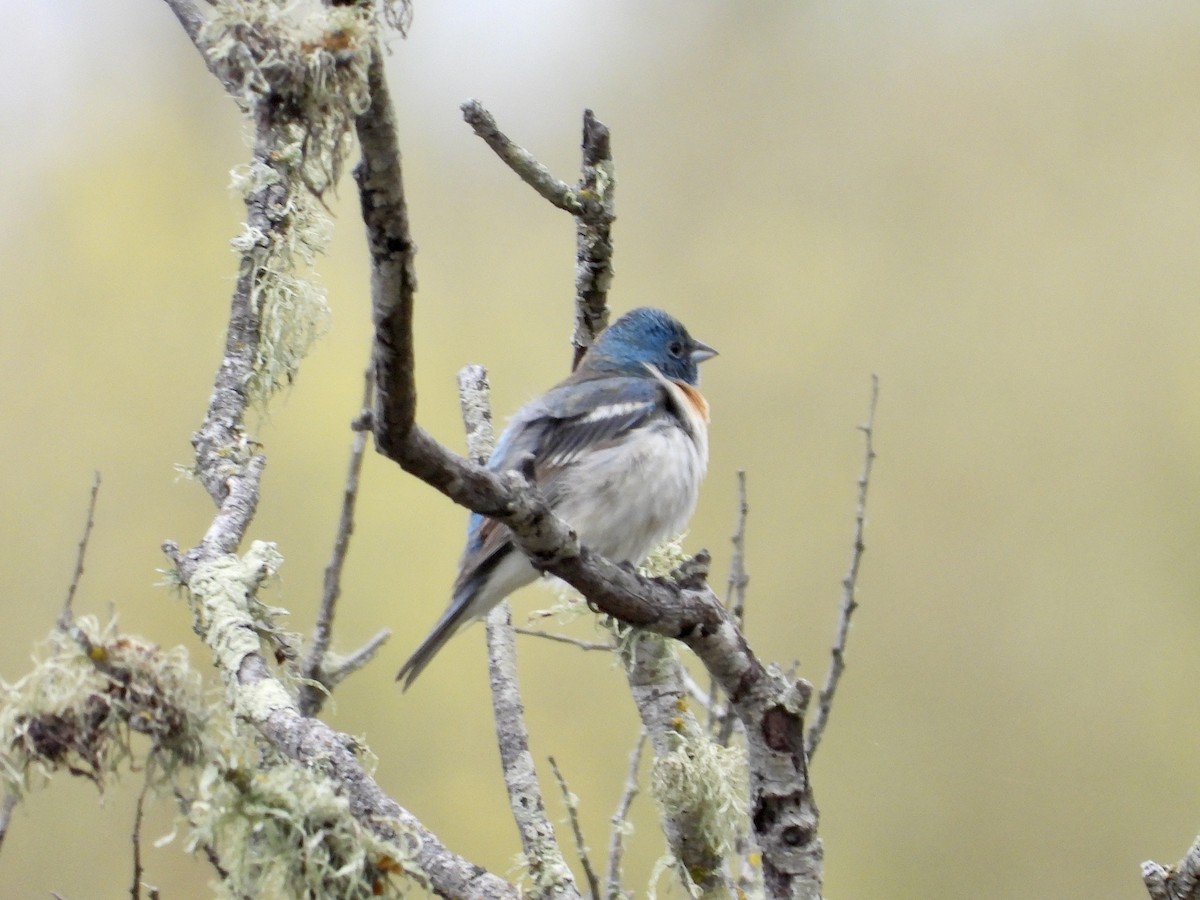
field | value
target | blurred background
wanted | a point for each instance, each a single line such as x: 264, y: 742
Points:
x: 994, y: 207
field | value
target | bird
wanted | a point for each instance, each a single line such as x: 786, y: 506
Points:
x: 617, y: 449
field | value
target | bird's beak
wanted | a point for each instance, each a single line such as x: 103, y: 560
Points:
x: 701, y: 351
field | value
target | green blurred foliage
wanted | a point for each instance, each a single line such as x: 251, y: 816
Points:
x: 994, y: 207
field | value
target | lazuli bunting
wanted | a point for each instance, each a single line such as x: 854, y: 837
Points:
x: 617, y: 449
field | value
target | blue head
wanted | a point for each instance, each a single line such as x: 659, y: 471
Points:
x: 651, y: 336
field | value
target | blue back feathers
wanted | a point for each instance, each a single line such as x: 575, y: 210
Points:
x: 642, y: 336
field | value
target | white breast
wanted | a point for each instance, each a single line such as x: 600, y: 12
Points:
x: 624, y: 500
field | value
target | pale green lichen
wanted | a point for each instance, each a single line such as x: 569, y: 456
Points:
x: 87, y: 695
x: 235, y: 622
x: 283, y: 830
x: 299, y: 70
x: 706, y: 782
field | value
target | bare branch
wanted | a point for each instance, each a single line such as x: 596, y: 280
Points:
x: 837, y: 659
x: 68, y: 614
x: 593, y: 235
x: 393, y: 276
x: 520, y: 160
x: 620, y: 819
x: 564, y: 639
x: 572, y: 804
x: 546, y: 864
x: 474, y: 397
x: 312, y: 697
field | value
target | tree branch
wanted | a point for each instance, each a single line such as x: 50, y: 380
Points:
x: 229, y: 465
x: 520, y: 160
x: 545, y: 860
x: 135, y: 889
x: 593, y: 235
x: 564, y: 639
x: 656, y: 682
x: 837, y: 658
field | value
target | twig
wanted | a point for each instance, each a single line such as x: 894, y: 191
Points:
x: 616, y: 841
x: 572, y: 804
x: 520, y: 160
x: 312, y: 697
x: 564, y: 639
x: 546, y: 864
x: 335, y: 673
x: 135, y: 891
x: 837, y: 658
x: 67, y: 616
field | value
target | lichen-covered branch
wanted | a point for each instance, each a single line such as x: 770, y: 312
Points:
x: 302, y: 95
x: 699, y: 828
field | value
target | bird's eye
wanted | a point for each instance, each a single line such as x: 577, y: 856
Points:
x: 675, y: 348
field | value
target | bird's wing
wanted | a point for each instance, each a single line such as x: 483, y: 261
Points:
x: 548, y: 436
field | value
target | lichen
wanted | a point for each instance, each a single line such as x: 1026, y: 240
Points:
x: 89, y: 692
x: 707, y: 782
x: 282, y: 830
x: 299, y: 71
x: 228, y: 612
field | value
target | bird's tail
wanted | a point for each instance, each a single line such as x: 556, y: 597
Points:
x: 455, y: 617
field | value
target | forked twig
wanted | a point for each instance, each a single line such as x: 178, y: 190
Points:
x: 590, y: 201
